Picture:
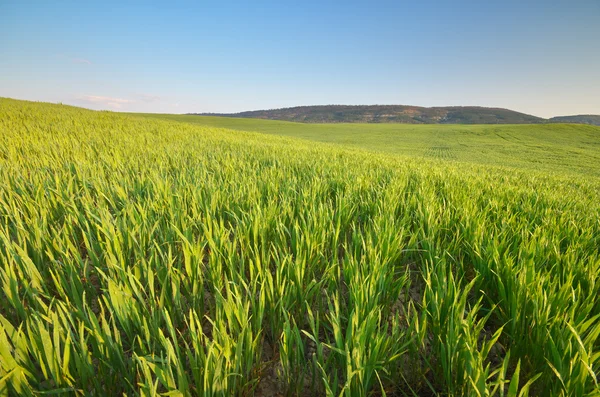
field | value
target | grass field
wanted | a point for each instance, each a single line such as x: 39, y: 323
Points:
x: 569, y: 148
x: 141, y: 256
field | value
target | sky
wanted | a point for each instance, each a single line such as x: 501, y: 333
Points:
x: 540, y: 57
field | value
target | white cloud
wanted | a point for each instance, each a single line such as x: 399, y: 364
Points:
x: 81, y: 60
x: 116, y: 103
x: 148, y: 98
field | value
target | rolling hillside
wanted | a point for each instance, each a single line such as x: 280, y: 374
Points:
x: 556, y: 148
x: 150, y: 257
x: 580, y: 119
x: 391, y: 114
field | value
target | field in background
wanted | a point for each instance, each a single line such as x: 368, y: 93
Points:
x: 568, y: 148
x: 153, y: 257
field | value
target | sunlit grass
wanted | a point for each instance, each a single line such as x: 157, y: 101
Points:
x: 554, y: 148
x: 151, y: 257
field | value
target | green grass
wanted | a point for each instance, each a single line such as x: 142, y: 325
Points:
x: 567, y: 148
x: 149, y: 257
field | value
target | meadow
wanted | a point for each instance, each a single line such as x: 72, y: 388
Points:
x: 142, y: 256
x: 551, y: 148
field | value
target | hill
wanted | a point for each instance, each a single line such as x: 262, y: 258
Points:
x: 392, y: 114
x: 555, y: 148
x: 579, y: 119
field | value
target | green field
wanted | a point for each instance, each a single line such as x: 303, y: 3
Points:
x: 570, y: 148
x: 141, y: 256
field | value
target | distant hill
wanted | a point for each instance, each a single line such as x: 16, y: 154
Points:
x: 391, y: 114
x: 579, y: 119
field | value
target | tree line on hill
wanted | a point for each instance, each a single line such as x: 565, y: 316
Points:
x: 404, y: 114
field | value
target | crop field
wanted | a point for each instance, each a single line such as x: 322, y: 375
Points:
x: 141, y: 256
x: 550, y: 148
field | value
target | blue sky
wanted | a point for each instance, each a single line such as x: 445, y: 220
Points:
x: 539, y: 57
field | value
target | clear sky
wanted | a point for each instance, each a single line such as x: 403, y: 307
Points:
x: 536, y: 56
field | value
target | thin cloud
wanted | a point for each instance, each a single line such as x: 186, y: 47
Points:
x: 149, y: 98
x: 82, y: 61
x: 116, y: 103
